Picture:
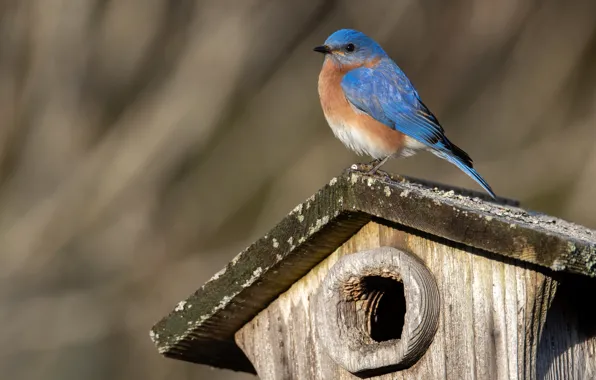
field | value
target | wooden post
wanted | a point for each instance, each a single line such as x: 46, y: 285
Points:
x: 388, y: 278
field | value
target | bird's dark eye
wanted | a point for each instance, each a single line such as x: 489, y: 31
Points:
x: 350, y: 48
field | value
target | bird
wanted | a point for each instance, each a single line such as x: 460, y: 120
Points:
x: 373, y: 108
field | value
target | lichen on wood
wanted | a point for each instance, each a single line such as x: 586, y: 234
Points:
x: 202, y: 329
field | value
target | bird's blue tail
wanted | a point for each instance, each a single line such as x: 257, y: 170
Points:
x: 460, y: 159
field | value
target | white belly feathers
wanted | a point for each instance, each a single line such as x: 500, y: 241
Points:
x: 359, y: 141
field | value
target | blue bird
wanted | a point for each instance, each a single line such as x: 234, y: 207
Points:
x: 374, y: 109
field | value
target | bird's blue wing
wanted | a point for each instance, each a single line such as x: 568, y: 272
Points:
x: 388, y: 96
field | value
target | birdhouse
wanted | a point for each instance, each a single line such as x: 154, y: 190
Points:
x: 385, y: 277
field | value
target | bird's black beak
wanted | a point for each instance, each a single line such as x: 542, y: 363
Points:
x: 322, y: 49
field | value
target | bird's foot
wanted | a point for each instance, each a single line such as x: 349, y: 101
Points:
x: 377, y: 164
x: 373, y: 170
x: 366, y: 168
x: 372, y: 167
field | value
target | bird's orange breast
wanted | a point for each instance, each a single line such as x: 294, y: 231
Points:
x: 357, y: 130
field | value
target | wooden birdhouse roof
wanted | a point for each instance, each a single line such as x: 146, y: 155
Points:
x: 201, y: 328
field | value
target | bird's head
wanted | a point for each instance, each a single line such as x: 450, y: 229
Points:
x: 351, y: 48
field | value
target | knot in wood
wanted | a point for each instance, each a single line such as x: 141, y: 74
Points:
x: 377, y: 311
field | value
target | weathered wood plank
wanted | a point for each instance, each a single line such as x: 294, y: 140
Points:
x: 481, y: 297
x: 567, y: 349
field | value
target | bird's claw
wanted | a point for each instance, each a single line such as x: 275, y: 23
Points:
x: 374, y: 164
x: 368, y: 168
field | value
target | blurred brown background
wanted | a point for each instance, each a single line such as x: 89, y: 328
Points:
x: 143, y: 143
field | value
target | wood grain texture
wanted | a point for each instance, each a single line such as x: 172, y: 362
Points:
x: 567, y: 349
x: 201, y: 328
x: 492, y: 314
x: 355, y: 322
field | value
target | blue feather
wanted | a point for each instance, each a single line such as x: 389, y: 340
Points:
x: 469, y: 170
x: 386, y: 94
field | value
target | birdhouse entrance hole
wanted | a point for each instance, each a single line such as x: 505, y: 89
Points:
x: 386, y: 309
x: 377, y: 311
